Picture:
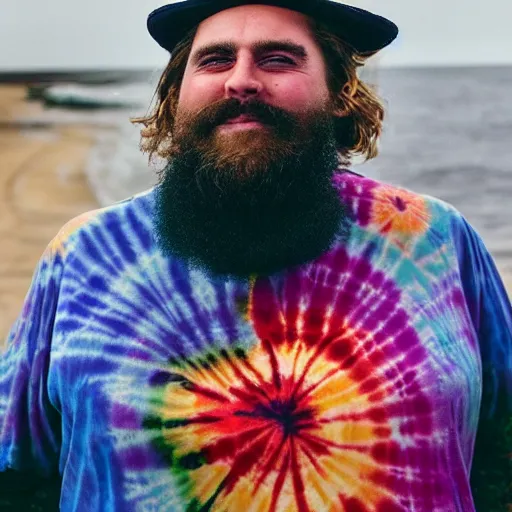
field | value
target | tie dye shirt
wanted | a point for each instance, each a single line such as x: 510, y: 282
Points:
x: 376, y: 378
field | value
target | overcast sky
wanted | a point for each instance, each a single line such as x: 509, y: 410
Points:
x: 447, y: 31
x: 57, y: 34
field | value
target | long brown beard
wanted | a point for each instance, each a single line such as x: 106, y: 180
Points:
x: 253, y: 202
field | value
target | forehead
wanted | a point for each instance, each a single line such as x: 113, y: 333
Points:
x: 248, y: 23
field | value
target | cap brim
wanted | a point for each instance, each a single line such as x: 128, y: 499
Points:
x: 364, y: 31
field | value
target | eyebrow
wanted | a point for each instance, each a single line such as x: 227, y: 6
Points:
x: 259, y: 48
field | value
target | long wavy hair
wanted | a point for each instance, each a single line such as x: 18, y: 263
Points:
x: 358, y: 111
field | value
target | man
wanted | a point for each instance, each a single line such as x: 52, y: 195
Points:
x: 265, y: 330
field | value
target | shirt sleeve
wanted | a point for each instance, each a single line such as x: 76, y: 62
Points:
x: 29, y: 424
x: 491, y: 314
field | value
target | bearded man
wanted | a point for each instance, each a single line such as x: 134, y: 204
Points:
x: 265, y: 329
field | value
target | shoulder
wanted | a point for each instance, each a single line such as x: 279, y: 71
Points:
x: 385, y: 208
x: 130, y: 214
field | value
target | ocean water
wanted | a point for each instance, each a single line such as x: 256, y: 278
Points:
x: 448, y: 134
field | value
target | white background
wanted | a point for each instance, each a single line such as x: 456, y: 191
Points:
x: 111, y: 34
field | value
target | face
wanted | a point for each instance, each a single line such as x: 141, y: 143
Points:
x: 254, y: 78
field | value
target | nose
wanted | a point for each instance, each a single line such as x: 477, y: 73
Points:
x: 243, y: 83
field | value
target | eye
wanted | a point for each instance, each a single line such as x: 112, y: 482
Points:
x: 213, y: 60
x: 280, y: 59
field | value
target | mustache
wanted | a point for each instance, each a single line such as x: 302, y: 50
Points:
x: 215, y: 114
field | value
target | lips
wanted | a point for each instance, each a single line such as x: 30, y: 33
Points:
x: 243, y: 119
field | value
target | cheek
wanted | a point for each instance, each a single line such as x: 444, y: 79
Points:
x: 298, y: 94
x: 199, y: 92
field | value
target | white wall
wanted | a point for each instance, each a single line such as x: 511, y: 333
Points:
x: 111, y: 34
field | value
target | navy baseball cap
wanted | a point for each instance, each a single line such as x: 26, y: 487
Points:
x: 364, y: 31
